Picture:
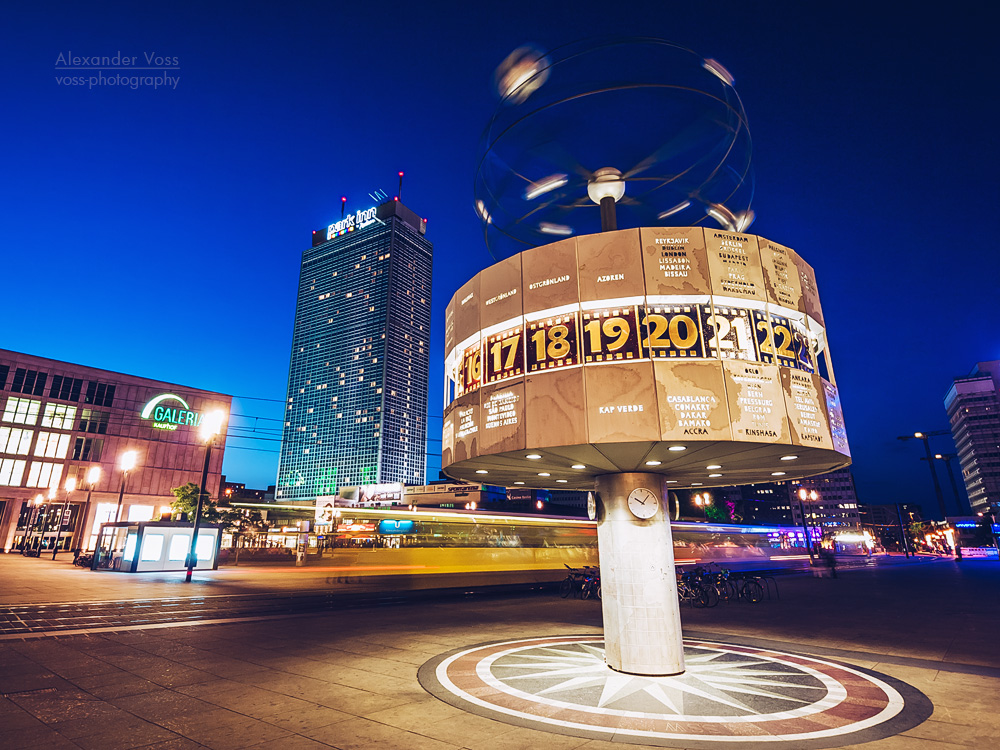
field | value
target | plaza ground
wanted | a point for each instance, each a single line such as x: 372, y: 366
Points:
x: 347, y: 677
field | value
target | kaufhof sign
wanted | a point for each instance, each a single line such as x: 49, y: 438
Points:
x: 168, y: 411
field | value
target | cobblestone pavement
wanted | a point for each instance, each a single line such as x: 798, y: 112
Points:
x: 347, y: 677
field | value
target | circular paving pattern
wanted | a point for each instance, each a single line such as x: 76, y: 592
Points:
x: 729, y: 695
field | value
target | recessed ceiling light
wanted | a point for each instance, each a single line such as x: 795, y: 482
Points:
x: 671, y: 481
x: 677, y: 448
x: 695, y: 483
x: 533, y: 456
x: 713, y: 466
x: 562, y: 481
x: 653, y: 463
x: 518, y: 482
x: 714, y: 475
x: 777, y: 473
x: 788, y: 458
x: 579, y: 466
x: 481, y: 471
x: 544, y: 474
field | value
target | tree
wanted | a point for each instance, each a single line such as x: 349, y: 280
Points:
x: 717, y: 514
x: 187, y: 501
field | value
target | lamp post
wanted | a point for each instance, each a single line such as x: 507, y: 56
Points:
x: 902, y: 531
x: 93, y: 477
x: 925, y: 437
x: 703, y: 501
x: 127, y: 463
x: 69, y: 487
x: 803, y: 494
x: 948, y: 458
x: 211, y: 425
x: 605, y: 188
x: 30, y: 530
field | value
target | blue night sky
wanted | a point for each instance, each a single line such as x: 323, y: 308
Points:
x: 159, y: 232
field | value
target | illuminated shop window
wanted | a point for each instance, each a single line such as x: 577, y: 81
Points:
x: 11, y: 471
x: 21, y: 410
x: 43, y: 474
x: 14, y: 440
x: 59, y: 416
x: 51, y: 445
x: 180, y: 544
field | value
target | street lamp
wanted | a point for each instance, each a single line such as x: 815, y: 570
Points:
x: 93, y: 477
x: 69, y: 486
x: 29, y: 531
x: 211, y: 425
x: 803, y: 494
x: 948, y: 458
x: 925, y: 437
x: 703, y: 501
x: 126, y: 463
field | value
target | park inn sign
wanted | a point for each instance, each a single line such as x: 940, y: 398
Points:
x: 169, y: 416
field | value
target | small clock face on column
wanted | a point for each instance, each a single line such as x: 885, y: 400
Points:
x: 643, y: 503
x: 591, y: 506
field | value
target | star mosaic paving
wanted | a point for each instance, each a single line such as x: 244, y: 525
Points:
x: 728, y: 694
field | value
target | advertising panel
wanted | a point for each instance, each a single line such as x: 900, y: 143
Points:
x: 675, y: 261
x: 806, y: 407
x: 610, y: 266
x: 621, y: 403
x: 756, y: 402
x: 691, y: 397
x: 734, y: 261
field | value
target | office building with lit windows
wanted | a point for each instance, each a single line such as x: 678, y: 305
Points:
x: 831, y: 501
x: 356, y: 412
x: 973, y: 406
x: 60, y: 420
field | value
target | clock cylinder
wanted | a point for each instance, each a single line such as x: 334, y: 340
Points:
x: 642, y: 625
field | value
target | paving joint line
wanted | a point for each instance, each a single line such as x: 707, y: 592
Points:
x: 902, y: 661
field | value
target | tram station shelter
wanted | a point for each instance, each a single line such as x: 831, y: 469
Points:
x: 58, y: 420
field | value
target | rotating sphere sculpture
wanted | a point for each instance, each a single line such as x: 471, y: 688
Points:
x: 667, y: 120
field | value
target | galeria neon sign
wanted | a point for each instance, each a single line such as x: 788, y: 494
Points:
x: 358, y: 220
x: 167, y: 418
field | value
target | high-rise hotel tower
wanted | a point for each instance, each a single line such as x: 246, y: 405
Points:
x: 357, y: 381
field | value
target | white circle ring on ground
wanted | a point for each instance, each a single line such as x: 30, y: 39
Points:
x: 643, y: 503
x: 730, y: 696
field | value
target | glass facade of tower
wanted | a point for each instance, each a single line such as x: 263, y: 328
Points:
x: 356, y: 409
